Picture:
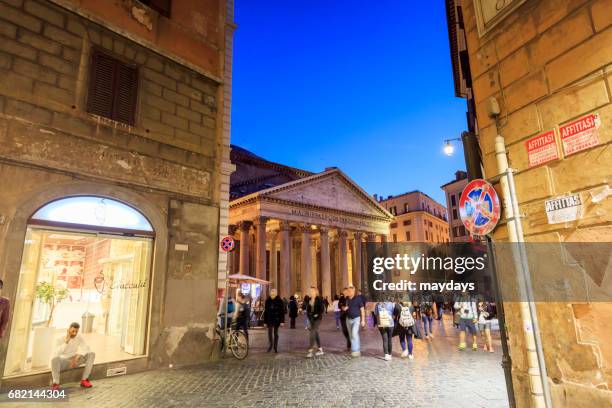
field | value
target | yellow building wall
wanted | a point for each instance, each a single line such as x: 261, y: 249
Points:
x: 548, y: 63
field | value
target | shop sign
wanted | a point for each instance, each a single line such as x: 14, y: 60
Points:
x: 542, y: 149
x: 563, y: 209
x: 580, y: 134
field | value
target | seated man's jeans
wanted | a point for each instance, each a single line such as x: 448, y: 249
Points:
x: 59, y: 364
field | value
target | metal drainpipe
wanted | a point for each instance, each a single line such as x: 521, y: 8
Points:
x: 473, y: 161
x: 538, y: 379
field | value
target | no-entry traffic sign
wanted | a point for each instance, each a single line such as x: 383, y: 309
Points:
x: 479, y: 207
x: 227, y: 244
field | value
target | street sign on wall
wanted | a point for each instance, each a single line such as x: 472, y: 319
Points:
x: 542, y: 149
x: 565, y: 208
x: 479, y: 207
x: 227, y: 244
x: 580, y: 134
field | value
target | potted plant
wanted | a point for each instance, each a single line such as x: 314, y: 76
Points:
x: 43, y: 342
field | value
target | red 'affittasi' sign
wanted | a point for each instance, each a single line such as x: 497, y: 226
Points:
x: 542, y: 149
x: 580, y: 134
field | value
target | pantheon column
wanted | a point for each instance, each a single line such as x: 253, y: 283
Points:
x: 325, y: 263
x: 284, y: 275
x: 244, y: 226
x: 273, y: 278
x: 260, y: 247
x: 357, y: 259
x: 371, y: 237
x: 342, y: 258
x: 306, y: 260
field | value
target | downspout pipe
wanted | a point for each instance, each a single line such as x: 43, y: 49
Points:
x: 538, y: 378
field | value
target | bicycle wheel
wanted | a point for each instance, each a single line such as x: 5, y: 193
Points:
x: 239, y: 345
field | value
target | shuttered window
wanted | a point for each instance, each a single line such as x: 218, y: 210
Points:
x: 113, y: 87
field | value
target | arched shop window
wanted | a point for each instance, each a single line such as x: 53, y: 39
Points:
x: 95, y: 255
x: 96, y: 213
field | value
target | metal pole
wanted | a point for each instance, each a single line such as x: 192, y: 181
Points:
x: 506, y: 359
x: 532, y: 306
x: 540, y: 393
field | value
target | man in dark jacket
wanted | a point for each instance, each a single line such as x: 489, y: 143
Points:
x: 343, y: 313
x: 293, y: 311
x: 274, y: 317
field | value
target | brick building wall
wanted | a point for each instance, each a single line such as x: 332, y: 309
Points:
x: 168, y: 164
x: 548, y: 62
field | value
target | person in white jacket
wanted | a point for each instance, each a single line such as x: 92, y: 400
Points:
x: 70, y: 352
x: 468, y: 316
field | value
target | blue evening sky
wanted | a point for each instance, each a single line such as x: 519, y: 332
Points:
x: 362, y: 85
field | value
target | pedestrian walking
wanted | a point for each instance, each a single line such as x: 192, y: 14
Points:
x: 468, y: 316
x: 355, y: 309
x: 486, y: 313
x: 417, y: 322
x: 242, y: 314
x: 439, y: 300
x: 342, y: 305
x: 315, y: 308
x: 336, y: 309
x: 405, y: 327
x: 427, y: 312
x: 383, y: 312
x: 304, y: 305
x: 293, y: 311
x: 274, y: 317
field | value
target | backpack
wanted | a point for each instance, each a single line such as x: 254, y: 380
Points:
x: 230, y: 307
x: 406, y: 319
x: 384, y: 318
x: 426, y: 309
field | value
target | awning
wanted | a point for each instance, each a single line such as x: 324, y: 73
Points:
x: 241, y: 278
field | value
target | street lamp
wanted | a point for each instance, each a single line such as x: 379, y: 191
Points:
x: 449, y: 149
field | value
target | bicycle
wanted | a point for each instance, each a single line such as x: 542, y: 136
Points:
x: 237, y: 342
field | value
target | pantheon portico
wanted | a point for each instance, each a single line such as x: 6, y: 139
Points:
x: 300, y: 229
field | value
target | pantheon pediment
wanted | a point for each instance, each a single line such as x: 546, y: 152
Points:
x: 328, y: 190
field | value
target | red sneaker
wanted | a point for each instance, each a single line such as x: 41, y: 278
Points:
x: 85, y: 383
x: 55, y: 387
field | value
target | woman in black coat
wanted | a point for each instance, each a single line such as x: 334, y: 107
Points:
x: 293, y: 311
x: 274, y: 317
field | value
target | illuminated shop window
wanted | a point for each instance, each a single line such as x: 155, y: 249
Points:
x: 95, y: 255
x: 93, y: 212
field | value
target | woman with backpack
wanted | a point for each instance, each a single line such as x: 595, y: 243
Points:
x: 406, y: 316
x: 314, y: 312
x: 383, y: 312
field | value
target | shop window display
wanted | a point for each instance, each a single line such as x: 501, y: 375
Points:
x: 100, y: 280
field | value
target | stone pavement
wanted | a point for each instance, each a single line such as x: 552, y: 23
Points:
x: 439, y: 376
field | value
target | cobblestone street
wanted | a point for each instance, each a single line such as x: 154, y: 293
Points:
x: 439, y: 376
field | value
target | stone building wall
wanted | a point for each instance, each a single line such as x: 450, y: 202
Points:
x: 167, y: 165
x: 548, y: 62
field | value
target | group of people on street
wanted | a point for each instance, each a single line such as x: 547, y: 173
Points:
x: 406, y: 319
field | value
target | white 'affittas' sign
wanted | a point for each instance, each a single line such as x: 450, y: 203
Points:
x: 564, y: 208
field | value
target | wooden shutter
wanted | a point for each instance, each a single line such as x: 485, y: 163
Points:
x: 126, y: 84
x: 101, y: 85
x: 113, y: 88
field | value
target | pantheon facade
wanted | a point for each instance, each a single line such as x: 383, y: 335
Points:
x: 300, y: 229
